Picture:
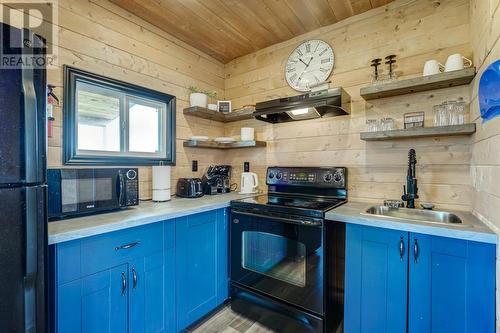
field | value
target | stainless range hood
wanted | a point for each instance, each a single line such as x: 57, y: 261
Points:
x: 319, y: 104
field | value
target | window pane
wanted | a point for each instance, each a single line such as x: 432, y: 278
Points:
x: 98, y: 118
x: 144, y: 126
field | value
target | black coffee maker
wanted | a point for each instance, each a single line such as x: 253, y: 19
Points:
x: 217, y: 179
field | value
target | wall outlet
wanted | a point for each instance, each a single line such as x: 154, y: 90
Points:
x: 246, y: 166
x: 194, y: 166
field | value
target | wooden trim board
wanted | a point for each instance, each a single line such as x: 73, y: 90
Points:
x: 419, y: 132
x: 418, y: 84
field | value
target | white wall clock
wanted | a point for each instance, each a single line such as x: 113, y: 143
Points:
x: 310, y: 63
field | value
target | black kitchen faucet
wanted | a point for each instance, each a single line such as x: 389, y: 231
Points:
x: 411, y: 181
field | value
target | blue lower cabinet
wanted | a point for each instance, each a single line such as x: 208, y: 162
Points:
x: 449, y: 283
x: 96, y: 303
x: 451, y: 286
x: 376, y: 275
x: 201, y: 265
x: 160, y: 277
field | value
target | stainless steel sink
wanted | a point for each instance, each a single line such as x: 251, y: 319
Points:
x: 419, y: 215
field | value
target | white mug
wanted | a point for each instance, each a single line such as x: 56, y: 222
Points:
x: 455, y: 62
x: 247, y: 134
x: 432, y: 67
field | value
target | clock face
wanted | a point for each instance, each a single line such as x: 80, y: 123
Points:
x: 310, y: 63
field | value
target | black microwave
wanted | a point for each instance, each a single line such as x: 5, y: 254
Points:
x: 84, y: 191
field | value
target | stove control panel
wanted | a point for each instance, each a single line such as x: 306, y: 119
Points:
x: 334, y: 177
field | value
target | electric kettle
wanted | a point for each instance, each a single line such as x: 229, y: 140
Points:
x: 249, y: 183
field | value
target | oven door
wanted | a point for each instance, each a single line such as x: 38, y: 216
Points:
x: 279, y: 256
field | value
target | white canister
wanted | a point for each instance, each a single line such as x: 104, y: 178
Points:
x: 247, y: 134
x: 161, y: 183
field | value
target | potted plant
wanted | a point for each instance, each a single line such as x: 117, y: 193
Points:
x: 199, y: 97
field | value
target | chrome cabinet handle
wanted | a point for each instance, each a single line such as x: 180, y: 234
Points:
x: 134, y: 278
x: 127, y: 246
x: 415, y: 250
x: 401, y: 248
x: 124, y: 284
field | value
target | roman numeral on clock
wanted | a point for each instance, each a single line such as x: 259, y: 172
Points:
x: 293, y: 77
x: 323, y: 52
x: 326, y: 60
x: 300, y: 53
x: 324, y: 70
x: 308, y: 48
x: 291, y: 69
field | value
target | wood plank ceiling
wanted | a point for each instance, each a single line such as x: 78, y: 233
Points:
x: 227, y: 29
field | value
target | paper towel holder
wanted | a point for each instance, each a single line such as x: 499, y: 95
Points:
x: 161, y: 182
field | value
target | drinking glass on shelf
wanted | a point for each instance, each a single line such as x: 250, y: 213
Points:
x: 372, y: 125
x: 459, y: 113
x: 449, y: 110
x: 439, y: 115
x: 388, y: 124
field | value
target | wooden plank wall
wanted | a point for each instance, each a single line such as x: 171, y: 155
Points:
x: 485, y: 163
x: 415, y: 30
x: 100, y: 37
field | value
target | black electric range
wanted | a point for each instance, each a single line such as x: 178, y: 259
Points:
x: 278, y: 246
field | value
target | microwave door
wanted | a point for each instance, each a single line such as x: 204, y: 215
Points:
x: 109, y: 188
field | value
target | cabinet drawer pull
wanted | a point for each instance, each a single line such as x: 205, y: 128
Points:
x: 124, y: 284
x: 134, y: 278
x: 126, y: 246
x: 401, y: 249
x: 415, y: 250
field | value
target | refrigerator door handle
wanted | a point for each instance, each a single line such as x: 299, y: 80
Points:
x: 31, y: 128
x: 31, y: 231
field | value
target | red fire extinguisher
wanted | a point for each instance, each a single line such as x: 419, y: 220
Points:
x: 51, y: 101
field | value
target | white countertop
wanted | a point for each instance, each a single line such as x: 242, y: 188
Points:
x: 476, y: 230
x: 147, y: 212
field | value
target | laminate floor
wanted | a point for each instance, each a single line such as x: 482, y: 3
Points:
x: 227, y: 321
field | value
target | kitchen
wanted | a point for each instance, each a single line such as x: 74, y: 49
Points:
x: 242, y: 58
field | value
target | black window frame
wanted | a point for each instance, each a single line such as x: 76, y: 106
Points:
x: 73, y: 75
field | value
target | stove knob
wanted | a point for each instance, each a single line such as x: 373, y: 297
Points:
x: 338, y: 177
x: 271, y: 175
x: 278, y: 176
x: 327, y: 177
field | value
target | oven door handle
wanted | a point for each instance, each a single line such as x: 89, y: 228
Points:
x: 312, y: 223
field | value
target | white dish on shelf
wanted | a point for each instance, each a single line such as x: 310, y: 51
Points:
x: 224, y: 139
x: 199, y: 138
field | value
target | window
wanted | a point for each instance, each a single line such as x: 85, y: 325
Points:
x: 113, y: 122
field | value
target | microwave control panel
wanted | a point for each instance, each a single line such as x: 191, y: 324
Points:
x: 334, y: 177
x: 131, y: 187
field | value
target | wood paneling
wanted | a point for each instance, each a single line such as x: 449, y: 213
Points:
x: 376, y: 169
x: 485, y: 164
x: 227, y: 29
x: 103, y: 38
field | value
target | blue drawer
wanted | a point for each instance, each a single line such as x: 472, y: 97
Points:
x: 87, y: 256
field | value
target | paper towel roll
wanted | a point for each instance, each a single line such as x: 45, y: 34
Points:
x: 161, y: 183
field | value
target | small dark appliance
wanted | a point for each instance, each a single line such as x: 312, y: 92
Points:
x: 278, y: 247
x: 217, y: 179
x: 189, y: 188
x: 84, y: 191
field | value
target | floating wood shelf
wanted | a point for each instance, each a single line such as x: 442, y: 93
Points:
x: 419, y: 132
x: 205, y: 113
x: 418, y: 84
x: 216, y: 145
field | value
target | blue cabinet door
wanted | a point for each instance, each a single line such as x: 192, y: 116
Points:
x: 201, y: 265
x: 375, y: 280
x: 96, y: 303
x: 452, y: 285
x: 147, y: 294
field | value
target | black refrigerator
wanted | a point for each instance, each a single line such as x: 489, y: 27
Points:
x: 23, y: 190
